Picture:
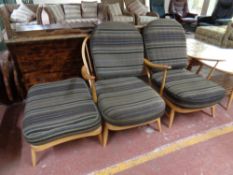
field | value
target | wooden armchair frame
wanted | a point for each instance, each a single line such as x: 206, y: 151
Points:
x: 97, y: 132
x: 173, y: 107
x: 87, y: 73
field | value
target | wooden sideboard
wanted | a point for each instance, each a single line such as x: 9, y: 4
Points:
x: 46, y: 53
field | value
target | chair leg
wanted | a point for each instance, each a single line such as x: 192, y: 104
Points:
x: 171, y: 118
x: 33, y: 154
x: 159, y: 124
x: 100, y: 139
x: 230, y: 101
x: 105, y: 135
x: 213, y: 108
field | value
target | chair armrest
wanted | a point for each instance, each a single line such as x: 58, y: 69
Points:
x: 91, y: 79
x: 85, y: 74
x: 156, y: 66
x: 50, y: 14
x: 6, y: 20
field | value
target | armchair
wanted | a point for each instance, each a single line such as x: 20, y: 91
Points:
x: 222, y: 14
x: 58, y: 112
x: 124, y: 100
x: 139, y: 9
x: 183, y: 91
x: 115, y: 11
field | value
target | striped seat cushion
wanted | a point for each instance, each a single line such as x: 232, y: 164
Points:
x: 117, y: 50
x: 128, y: 19
x: 187, y: 89
x: 143, y: 20
x: 165, y: 43
x: 128, y: 101
x: 72, y: 11
x: 89, y: 9
x: 59, y: 109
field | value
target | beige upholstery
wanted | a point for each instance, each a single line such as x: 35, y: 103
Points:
x: 100, y: 16
x: 7, y: 9
x: 217, y: 35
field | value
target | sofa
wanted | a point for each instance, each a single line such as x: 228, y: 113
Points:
x: 6, y: 11
x: 74, y: 13
x: 221, y: 36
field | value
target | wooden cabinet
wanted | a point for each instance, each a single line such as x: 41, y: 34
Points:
x: 46, y: 58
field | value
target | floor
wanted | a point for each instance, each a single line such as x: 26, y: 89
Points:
x: 197, y: 144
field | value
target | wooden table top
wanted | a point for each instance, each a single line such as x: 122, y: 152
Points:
x: 32, y: 33
x: 199, y: 50
x: 36, y: 27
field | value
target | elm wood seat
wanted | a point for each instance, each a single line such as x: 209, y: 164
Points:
x: 58, y: 112
x: 124, y: 100
x: 184, y: 91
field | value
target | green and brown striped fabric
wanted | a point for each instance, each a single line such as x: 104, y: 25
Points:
x: 59, y: 109
x: 184, y: 88
x: 117, y: 50
x: 165, y: 43
x: 187, y: 89
x: 128, y: 101
x: 123, y: 98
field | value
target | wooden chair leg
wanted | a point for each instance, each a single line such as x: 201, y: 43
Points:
x: 100, y: 139
x: 213, y: 109
x: 171, y: 118
x: 33, y: 154
x: 105, y: 135
x: 230, y: 101
x: 159, y: 124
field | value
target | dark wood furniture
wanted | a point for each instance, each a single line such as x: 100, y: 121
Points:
x: 47, y: 53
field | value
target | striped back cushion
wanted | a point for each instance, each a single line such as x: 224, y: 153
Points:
x: 165, y: 43
x: 137, y: 8
x: 57, y: 12
x: 117, y: 50
x: 72, y: 11
x: 115, y: 9
x: 89, y: 9
x: 22, y: 14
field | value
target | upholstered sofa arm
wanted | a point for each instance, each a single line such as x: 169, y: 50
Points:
x: 102, y: 12
x: 5, y: 15
x: 228, y: 36
x: 52, y: 19
x: 39, y: 14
